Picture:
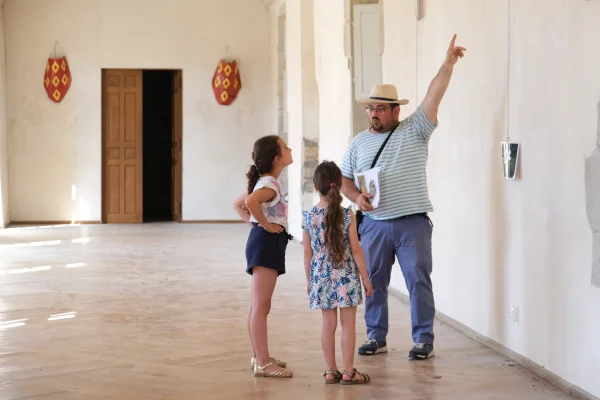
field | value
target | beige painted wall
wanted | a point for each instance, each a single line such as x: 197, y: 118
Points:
x: 526, y: 242
x: 4, y: 211
x: 53, y: 147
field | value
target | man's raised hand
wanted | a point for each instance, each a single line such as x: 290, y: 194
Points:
x: 454, y: 52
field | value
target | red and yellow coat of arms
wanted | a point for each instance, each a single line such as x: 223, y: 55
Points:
x: 57, y: 79
x: 226, y: 82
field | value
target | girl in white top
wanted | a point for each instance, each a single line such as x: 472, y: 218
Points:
x: 264, y: 208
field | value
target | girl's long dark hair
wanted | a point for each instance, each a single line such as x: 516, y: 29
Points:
x: 328, y: 180
x: 265, y: 150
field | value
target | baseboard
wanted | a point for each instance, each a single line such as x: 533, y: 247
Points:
x: 209, y: 221
x: 44, y: 223
x: 537, y: 369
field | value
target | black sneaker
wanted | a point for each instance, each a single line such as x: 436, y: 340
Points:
x: 371, y: 347
x: 421, y: 351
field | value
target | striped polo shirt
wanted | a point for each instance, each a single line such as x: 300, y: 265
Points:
x: 402, y: 164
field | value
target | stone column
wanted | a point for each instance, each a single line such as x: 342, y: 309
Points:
x: 4, y: 213
x: 278, y: 21
x: 302, y: 108
x: 332, y: 24
x: 592, y: 201
x: 333, y: 74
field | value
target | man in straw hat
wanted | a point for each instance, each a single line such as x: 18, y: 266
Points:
x: 400, y: 225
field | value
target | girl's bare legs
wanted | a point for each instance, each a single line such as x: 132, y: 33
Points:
x: 328, y: 340
x: 263, y: 285
x: 249, y: 318
x: 348, y: 320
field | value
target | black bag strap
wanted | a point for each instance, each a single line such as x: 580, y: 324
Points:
x: 382, y: 146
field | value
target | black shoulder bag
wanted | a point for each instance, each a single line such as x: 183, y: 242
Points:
x: 359, y: 215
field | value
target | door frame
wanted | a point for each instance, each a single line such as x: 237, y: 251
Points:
x: 176, y: 140
x: 177, y: 146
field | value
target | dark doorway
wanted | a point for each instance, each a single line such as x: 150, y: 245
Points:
x: 157, y: 145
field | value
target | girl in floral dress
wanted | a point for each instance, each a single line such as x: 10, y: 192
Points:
x: 334, y: 264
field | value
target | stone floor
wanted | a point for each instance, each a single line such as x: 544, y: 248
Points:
x: 158, y: 311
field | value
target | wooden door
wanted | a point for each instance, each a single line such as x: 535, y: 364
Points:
x: 122, y: 146
x: 176, y: 168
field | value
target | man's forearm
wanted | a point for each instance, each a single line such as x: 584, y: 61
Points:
x: 349, y: 189
x: 436, y: 90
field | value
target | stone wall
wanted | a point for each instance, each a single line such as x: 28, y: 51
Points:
x: 311, y: 161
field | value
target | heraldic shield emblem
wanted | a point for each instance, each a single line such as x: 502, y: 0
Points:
x: 226, y: 82
x: 57, y: 79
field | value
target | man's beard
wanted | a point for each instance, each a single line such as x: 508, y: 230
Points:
x: 380, y: 126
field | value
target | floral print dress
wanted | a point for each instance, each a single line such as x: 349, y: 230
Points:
x: 331, y: 287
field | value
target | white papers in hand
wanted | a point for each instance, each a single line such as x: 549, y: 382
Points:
x: 368, y: 182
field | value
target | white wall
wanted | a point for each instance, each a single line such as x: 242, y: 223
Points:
x: 4, y: 212
x: 526, y: 242
x: 54, y: 146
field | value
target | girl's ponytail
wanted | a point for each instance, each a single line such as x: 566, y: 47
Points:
x: 328, y: 181
x: 334, y: 237
x: 252, y: 176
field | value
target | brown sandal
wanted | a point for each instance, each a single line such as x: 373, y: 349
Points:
x: 337, y: 376
x: 365, y: 378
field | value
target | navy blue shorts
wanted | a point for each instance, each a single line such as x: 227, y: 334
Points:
x: 265, y: 249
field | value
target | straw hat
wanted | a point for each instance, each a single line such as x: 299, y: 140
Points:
x: 383, y: 94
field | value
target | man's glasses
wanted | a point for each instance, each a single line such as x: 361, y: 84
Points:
x: 378, y: 109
